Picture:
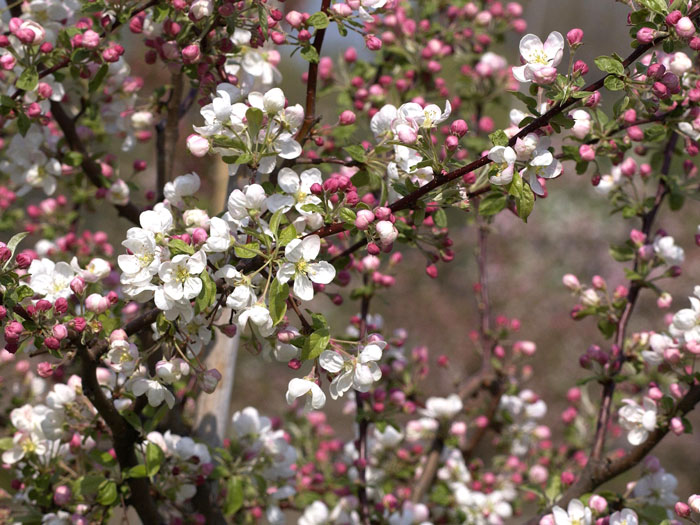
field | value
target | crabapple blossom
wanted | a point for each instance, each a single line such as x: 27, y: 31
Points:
x: 299, y: 266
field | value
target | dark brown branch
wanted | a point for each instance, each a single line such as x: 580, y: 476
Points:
x: 90, y: 167
x: 634, y: 290
x: 363, y: 425
x: 312, y: 82
x: 124, y: 437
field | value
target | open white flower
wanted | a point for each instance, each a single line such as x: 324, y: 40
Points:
x: 624, y: 517
x: 667, y: 249
x: 155, y: 392
x: 504, y: 157
x: 242, y: 205
x: 52, y: 280
x: 353, y: 372
x: 382, y: 121
x: 259, y: 318
x: 686, y: 322
x: 443, y: 407
x: 182, y: 186
x: 272, y: 102
x: 542, y: 164
x: 423, y: 117
x: 299, y: 266
x: 314, y: 396
x: 638, y: 420
x: 297, y: 190
x: 181, y: 275
x: 575, y: 514
x: 538, y: 56
x: 219, y: 239
x: 96, y: 270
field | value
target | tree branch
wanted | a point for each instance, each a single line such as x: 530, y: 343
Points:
x: 90, y: 167
x: 124, y: 437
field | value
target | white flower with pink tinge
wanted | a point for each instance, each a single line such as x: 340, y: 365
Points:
x: 358, y: 372
x: 638, y: 420
x: 539, y: 58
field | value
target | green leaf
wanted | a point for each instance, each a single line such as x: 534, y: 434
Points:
x: 492, y: 204
x: 12, y: 245
x: 179, y: 247
x: 207, y: 295
x: 347, y: 215
x: 6, y: 443
x: 526, y: 203
x: 499, y: 138
x: 23, y: 123
x: 622, y: 252
x: 316, y: 343
x: 658, y: 6
x: 553, y: 488
x: 246, y: 251
x: 107, y: 493
x: 255, y: 119
x: 234, y: 496
x: 139, y: 471
x: 275, y: 222
x: 278, y: 300
x: 607, y: 327
x: 515, y: 188
x: 357, y: 153
x: 614, y: 83
x: 96, y: 81
x: 310, y: 54
x: 440, y: 218
x: 154, y: 459
x: 73, y: 158
x: 287, y: 235
x: 610, y: 65
x: 318, y: 20
x: 28, y: 80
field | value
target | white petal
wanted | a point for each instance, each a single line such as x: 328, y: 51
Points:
x: 303, y: 287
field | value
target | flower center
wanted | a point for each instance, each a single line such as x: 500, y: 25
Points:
x: 538, y: 57
x: 146, y: 259
x: 28, y: 445
x: 300, y: 196
x: 302, y: 266
x: 181, y: 274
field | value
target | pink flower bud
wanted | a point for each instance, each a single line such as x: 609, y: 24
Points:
x: 538, y: 474
x: 587, y: 152
x: 574, y: 37
x: 629, y: 167
x: 571, y: 282
x: 62, y: 495
x: 432, y: 271
x: 294, y: 19
x: 646, y: 35
x: 364, y: 219
x: 373, y: 43
x: 198, y: 145
x: 44, y: 369
x: 77, y: 285
x: 191, y: 54
x: 694, y: 502
x: 676, y: 426
x: 664, y: 300
x: 598, y: 503
x: 210, y: 379
x: 685, y: 27
x: 682, y: 510
x: 199, y: 235
x: 59, y: 331
x: 407, y: 135
x: 580, y: 67
x: 459, y: 128
x: 347, y: 117
x: 96, y: 303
